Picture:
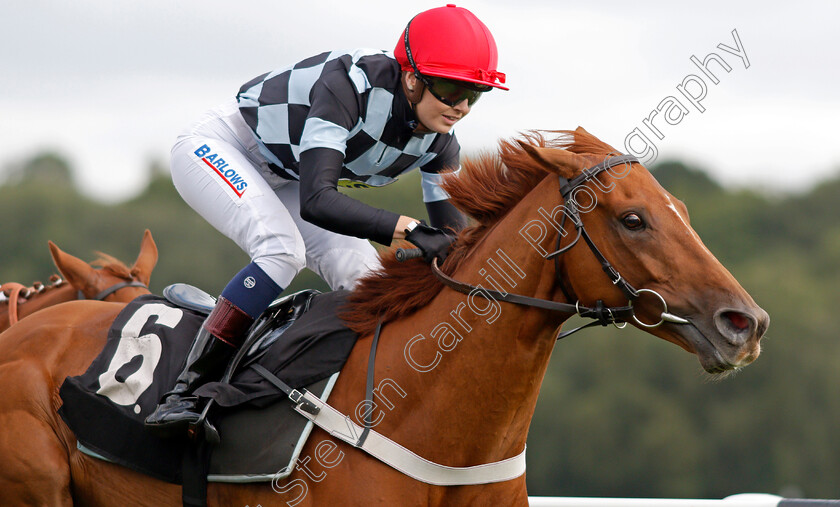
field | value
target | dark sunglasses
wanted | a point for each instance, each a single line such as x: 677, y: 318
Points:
x: 452, y: 92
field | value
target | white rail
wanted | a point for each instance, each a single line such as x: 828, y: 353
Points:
x: 742, y: 500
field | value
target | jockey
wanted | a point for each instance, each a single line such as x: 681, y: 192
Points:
x: 264, y: 169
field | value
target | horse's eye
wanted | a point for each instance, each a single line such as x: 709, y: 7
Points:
x: 633, y: 221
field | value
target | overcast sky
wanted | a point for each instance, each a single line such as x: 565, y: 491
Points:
x: 109, y: 84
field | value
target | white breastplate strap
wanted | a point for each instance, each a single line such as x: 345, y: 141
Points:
x: 394, y: 455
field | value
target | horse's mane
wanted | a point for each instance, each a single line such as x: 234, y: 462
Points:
x: 488, y: 186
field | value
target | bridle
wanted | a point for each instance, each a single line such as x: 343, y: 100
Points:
x: 603, y: 315
x: 112, y: 289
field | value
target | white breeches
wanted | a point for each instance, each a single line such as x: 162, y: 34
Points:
x: 217, y: 169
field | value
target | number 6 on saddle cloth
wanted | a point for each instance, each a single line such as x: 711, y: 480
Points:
x: 299, y: 340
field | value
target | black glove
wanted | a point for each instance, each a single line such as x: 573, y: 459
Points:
x: 433, y: 242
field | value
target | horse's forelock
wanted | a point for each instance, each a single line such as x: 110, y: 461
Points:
x: 112, y: 265
x: 580, y: 141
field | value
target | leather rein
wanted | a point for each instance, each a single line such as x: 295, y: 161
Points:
x: 601, y: 314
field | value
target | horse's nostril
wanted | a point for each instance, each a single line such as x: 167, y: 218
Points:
x: 737, y: 319
x: 736, y: 326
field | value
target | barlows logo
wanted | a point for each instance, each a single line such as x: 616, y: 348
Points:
x: 236, y: 182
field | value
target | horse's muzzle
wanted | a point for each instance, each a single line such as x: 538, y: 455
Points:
x: 729, y: 340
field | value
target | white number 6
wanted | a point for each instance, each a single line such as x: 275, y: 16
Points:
x: 131, y: 345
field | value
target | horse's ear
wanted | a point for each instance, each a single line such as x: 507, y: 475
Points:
x: 146, y: 260
x: 565, y: 163
x: 73, y: 269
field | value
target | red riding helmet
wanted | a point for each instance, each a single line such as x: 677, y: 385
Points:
x: 450, y: 42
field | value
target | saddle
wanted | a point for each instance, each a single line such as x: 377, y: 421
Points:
x: 298, y: 341
x: 279, y: 316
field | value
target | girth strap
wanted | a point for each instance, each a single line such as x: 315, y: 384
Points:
x: 293, y: 394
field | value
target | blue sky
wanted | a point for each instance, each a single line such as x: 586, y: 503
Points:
x: 110, y: 84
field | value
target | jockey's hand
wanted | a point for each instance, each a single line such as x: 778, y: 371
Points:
x: 432, y: 241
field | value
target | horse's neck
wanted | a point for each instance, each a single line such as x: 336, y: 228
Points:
x: 478, y: 364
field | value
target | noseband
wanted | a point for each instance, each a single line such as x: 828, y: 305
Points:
x: 602, y: 315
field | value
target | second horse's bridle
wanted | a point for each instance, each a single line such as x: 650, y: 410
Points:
x: 17, y: 291
x: 112, y: 289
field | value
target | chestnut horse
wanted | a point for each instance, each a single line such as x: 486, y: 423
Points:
x: 458, y: 376
x: 111, y: 281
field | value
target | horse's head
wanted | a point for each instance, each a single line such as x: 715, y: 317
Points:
x: 645, y: 234
x: 113, y: 277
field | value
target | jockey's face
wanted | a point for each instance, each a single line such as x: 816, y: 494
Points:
x: 437, y: 116
x: 433, y: 114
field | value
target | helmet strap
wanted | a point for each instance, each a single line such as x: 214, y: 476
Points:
x: 416, y: 95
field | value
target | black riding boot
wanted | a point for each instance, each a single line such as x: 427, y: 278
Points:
x: 212, y: 348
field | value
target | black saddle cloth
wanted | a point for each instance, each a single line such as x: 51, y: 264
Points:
x: 146, y: 349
